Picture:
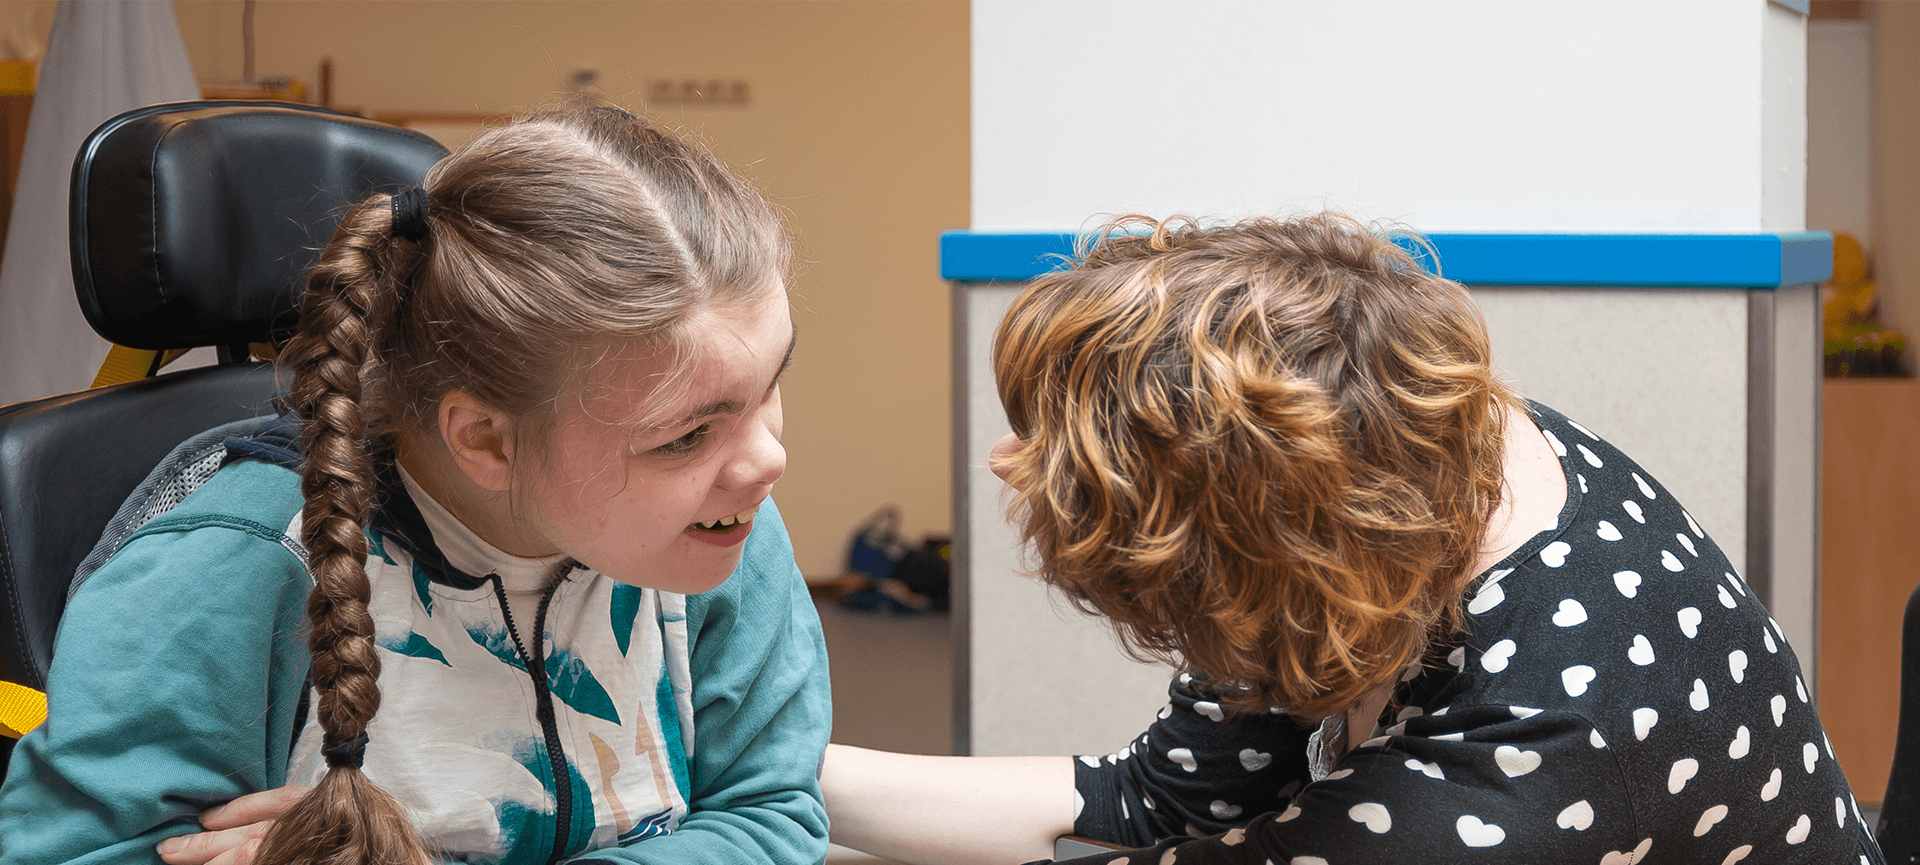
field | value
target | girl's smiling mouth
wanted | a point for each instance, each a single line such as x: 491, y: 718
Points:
x: 726, y: 531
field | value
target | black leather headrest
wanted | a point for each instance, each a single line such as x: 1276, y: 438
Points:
x: 194, y: 223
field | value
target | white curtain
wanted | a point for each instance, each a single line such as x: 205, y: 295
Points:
x: 103, y: 57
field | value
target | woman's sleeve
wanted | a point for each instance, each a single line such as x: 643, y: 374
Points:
x: 1198, y: 770
x: 175, y: 678
x: 1489, y: 784
x: 761, y: 712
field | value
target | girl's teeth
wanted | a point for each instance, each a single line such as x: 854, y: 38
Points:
x: 725, y: 522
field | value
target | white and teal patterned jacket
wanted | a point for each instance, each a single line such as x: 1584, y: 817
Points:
x: 654, y: 728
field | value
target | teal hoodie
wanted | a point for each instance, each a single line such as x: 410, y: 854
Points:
x: 682, y: 729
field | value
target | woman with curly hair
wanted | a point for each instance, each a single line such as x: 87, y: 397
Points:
x: 1419, y: 618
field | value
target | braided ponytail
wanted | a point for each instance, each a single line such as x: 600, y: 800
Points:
x: 346, y: 820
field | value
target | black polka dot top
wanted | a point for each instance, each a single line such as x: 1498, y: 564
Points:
x: 1618, y: 696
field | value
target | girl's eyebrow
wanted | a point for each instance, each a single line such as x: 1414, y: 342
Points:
x: 727, y: 406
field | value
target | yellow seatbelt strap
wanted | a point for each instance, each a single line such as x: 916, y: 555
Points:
x: 130, y: 364
x: 21, y: 709
x: 125, y: 364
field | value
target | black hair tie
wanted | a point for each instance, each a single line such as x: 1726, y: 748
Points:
x: 410, y: 209
x: 349, y: 753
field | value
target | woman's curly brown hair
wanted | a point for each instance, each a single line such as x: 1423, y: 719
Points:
x: 1266, y: 451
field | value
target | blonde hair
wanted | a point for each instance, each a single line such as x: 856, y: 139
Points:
x: 1266, y: 451
x: 543, y: 239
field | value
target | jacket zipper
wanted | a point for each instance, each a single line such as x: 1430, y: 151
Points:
x: 537, y: 670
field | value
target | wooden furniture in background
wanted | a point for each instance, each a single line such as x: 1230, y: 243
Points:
x: 1869, y: 563
x: 14, y: 111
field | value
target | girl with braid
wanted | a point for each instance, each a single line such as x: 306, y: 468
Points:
x: 506, y: 584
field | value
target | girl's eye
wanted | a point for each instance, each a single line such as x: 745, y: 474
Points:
x: 686, y: 443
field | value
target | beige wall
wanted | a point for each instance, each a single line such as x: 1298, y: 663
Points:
x: 857, y: 124
x: 1896, y: 168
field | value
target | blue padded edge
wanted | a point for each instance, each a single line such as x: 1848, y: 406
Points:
x: 1667, y: 260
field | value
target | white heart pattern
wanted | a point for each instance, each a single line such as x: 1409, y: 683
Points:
x: 1475, y: 833
x: 1737, y: 665
x: 1629, y: 857
x: 1738, y: 854
x: 1810, y: 755
x: 1184, y: 757
x: 1555, y: 554
x: 1515, y: 762
x: 1800, y: 688
x: 1689, y: 621
x: 1779, y: 709
x: 1772, y: 648
x: 1591, y: 459
x: 1735, y: 583
x: 1497, y: 656
x: 1688, y: 543
x: 1488, y: 598
x: 1633, y: 510
x: 1593, y: 738
x: 1726, y: 598
x: 1645, y: 490
x: 1698, y: 699
x: 1223, y: 811
x: 1771, y: 788
x: 1693, y: 526
x: 1554, y: 440
x: 1372, y: 815
x: 1291, y: 812
x: 1577, y: 816
x: 1642, y: 651
x: 1708, y: 818
x: 1742, y: 742
x: 1671, y: 562
x: 1254, y: 761
x: 1800, y: 829
x: 1576, y: 679
x: 1211, y: 710
x: 1570, y: 613
x: 1683, y: 771
x: 1608, y: 533
x: 1431, y: 770
x: 1643, y: 720
x: 1627, y: 582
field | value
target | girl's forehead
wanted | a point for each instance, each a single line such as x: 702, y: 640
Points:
x: 723, y: 354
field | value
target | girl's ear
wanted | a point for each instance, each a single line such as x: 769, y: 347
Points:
x: 479, y: 438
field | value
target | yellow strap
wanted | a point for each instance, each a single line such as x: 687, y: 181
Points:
x: 125, y: 364
x: 129, y: 364
x: 21, y: 709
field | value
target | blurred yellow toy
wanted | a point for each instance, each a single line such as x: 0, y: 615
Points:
x: 1856, y: 343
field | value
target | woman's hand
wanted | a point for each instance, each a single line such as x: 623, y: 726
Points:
x: 233, y: 831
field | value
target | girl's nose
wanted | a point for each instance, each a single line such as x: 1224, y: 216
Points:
x: 760, y: 460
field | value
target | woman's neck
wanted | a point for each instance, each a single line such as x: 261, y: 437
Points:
x: 1533, y: 490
